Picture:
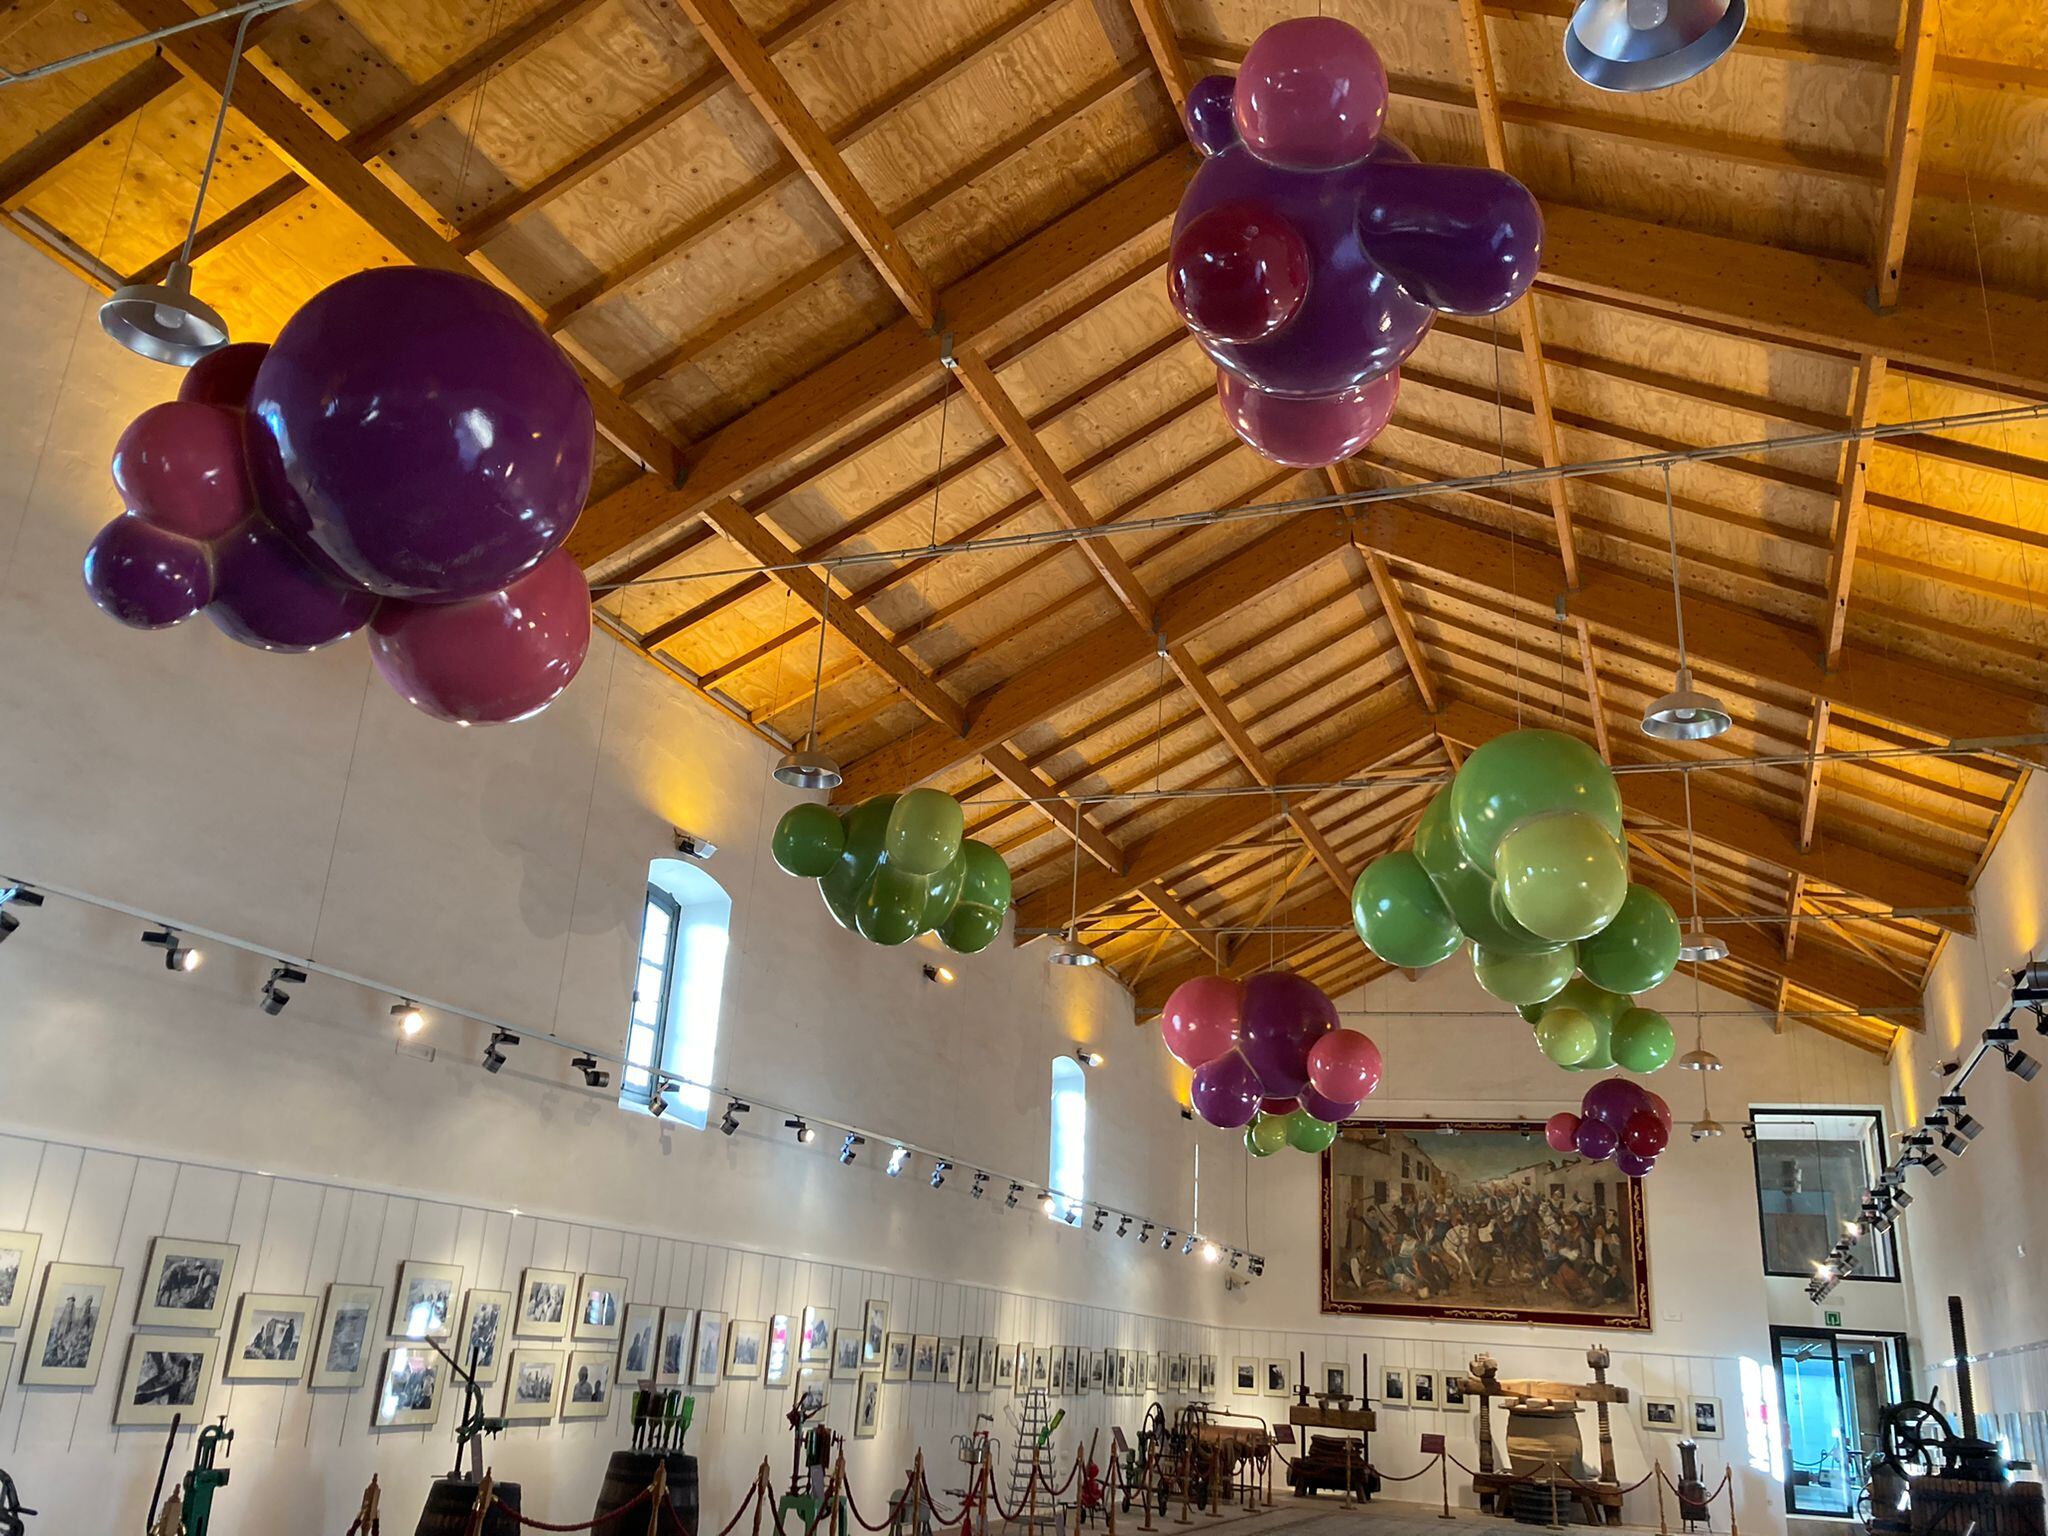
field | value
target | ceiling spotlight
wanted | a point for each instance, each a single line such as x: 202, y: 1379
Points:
x: 1933, y: 1164
x: 691, y: 846
x: 1067, y: 952
x: 1166, y: 1238
x: 1700, y: 1061
x: 1707, y: 1126
x: 1257, y: 1265
x: 1073, y: 1215
x: 1046, y: 1203
x: 1010, y: 1199
x: 980, y: 1183
x: 899, y: 1158
x: 594, y: 1076
x: 1145, y: 1232
x: 411, y: 1018
x: 1951, y: 1068
x: 2018, y: 1063
x: 942, y: 974
x: 657, y: 1101
x: 1100, y: 1217
x: 939, y: 1167
x: 1236, y: 1258
x: 494, y: 1053
x: 1700, y: 946
x: 730, y: 1121
x: 15, y: 896
x: 1123, y: 1225
x: 1686, y: 714
x: 1188, y: 1247
x: 849, y: 1149
x: 177, y: 957
x: 274, y: 997
x: 165, y: 323
x: 1901, y: 1198
x: 1086, y: 1057
x: 804, y: 1134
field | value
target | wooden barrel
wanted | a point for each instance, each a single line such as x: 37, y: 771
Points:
x: 451, y: 1502
x: 629, y: 1473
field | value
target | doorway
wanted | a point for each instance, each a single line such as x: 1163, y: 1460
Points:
x: 1833, y: 1384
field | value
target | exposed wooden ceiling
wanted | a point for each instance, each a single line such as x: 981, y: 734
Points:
x: 760, y: 229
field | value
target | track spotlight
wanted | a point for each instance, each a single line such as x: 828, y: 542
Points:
x: 849, y: 1149
x: 734, y: 1108
x: 15, y: 895
x: 1086, y: 1057
x: 2021, y: 1065
x: 411, y: 1017
x: 1073, y: 1215
x: 494, y: 1053
x: 1144, y: 1232
x: 1010, y: 1199
x: 1188, y: 1247
x: 1100, y: 1217
x: 1236, y: 1257
x: 274, y: 997
x: 899, y: 1158
x: 942, y: 974
x: 804, y: 1134
x: 657, y: 1101
x: 939, y: 1167
x: 1901, y: 1198
x: 980, y: 1184
x: 1211, y: 1252
x: 1046, y: 1203
x: 594, y: 1076
x: 691, y: 846
x: 1166, y: 1238
x: 1257, y: 1265
x: 1123, y: 1225
x: 177, y: 957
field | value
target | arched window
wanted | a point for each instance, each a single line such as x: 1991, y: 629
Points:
x: 1067, y: 1165
x: 678, y: 984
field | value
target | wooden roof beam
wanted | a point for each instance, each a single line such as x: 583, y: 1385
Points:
x: 1919, y: 22
x: 1156, y: 23
x: 1848, y: 529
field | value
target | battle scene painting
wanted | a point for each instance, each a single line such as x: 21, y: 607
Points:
x: 1479, y: 1220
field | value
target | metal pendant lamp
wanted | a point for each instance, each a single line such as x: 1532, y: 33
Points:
x: 165, y: 322
x: 1696, y: 944
x: 806, y: 767
x: 1646, y: 45
x: 1685, y: 713
x: 1069, y: 950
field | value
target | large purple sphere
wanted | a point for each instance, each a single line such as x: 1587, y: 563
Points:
x: 146, y: 576
x: 1226, y: 1092
x: 1284, y: 1015
x: 423, y: 432
x: 266, y: 595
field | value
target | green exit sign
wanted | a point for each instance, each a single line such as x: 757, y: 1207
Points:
x: 1832, y: 1319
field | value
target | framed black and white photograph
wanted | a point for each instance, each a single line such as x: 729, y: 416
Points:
x: 678, y: 1338
x: 1098, y: 1370
x: 410, y: 1393
x: 1705, y: 1413
x: 1275, y: 1378
x: 587, y: 1388
x: 167, y: 1377
x: 424, y: 1306
x: 1006, y: 1367
x: 985, y: 1369
x: 1041, y: 1366
x: 924, y: 1357
x: 845, y: 1354
x: 895, y: 1357
x: 341, y: 1352
x: 600, y: 1308
x: 1206, y: 1375
x: 874, y: 1333
x: 187, y: 1285
x: 486, y: 1330
x: 533, y: 1378
x: 1422, y: 1389
x: 1336, y: 1379
x: 710, y: 1349
x: 779, y: 1351
x: 867, y: 1405
x: 73, y: 1315
x: 1661, y: 1414
x: 966, y: 1361
x: 18, y: 1252
x: 546, y: 1297
x: 746, y: 1347
x: 273, y: 1338
x: 815, y: 1347
x: 812, y: 1394
x: 1394, y: 1387
x: 6, y: 1370
x: 1453, y: 1385
x: 1244, y: 1374
x: 947, y: 1367
x: 1020, y: 1378
x: 638, y: 1341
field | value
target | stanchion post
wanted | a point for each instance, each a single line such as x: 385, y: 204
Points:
x: 1109, y: 1494
x: 1187, y: 1477
x: 1663, y: 1525
x: 1145, y: 1493
x: 916, y: 1497
x: 482, y: 1507
x: 1443, y: 1465
x: 660, y: 1490
x: 1728, y: 1482
x: 1550, y: 1494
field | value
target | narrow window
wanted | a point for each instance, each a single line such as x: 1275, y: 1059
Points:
x: 1812, y: 1166
x: 678, y: 986
x: 1067, y: 1165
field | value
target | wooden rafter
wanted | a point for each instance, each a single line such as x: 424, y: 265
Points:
x: 1809, y: 796
x: 1155, y: 22
x: 1919, y: 21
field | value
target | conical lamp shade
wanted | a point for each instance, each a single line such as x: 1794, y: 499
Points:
x: 1645, y: 45
x: 164, y: 323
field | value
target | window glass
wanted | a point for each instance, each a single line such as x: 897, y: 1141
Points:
x: 1812, y: 1167
x: 1066, y: 1171
x: 678, y: 991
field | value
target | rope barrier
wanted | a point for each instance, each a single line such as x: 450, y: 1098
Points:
x: 1561, y: 1479
x: 591, y: 1524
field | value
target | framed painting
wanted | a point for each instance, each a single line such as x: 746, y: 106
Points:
x: 710, y: 1348
x: 746, y: 1348
x: 1486, y: 1225
x: 896, y: 1364
x: 867, y: 1405
x: 545, y: 1300
x: 678, y: 1335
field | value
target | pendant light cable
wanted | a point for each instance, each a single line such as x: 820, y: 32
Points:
x: 220, y: 122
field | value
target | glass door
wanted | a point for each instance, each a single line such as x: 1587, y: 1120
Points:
x: 1833, y: 1385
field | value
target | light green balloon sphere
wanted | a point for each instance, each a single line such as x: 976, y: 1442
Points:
x: 1596, y: 1003
x: 1308, y: 1134
x: 1561, y: 876
x: 1524, y: 774
x: 867, y: 827
x: 942, y: 895
x: 1398, y: 913
x: 925, y: 829
x: 1466, y: 891
x: 839, y: 897
x: 986, y: 882
x: 889, y: 906
x: 971, y: 928
x: 808, y: 840
x: 1643, y: 1040
x: 1602, y: 1057
x: 1524, y: 979
x: 1637, y: 950
x: 1566, y: 1035
x: 1266, y: 1134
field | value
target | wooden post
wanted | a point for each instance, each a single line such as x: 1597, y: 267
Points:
x: 762, y: 1491
x: 1109, y: 1492
x: 1728, y: 1482
x: 660, y: 1497
x: 1663, y: 1526
x: 916, y: 1498
x: 1443, y: 1465
x: 483, y: 1506
x: 1597, y: 1357
x: 1145, y: 1491
x: 1187, y: 1477
x: 1550, y: 1493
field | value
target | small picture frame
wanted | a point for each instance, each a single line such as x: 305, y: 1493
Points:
x: 545, y: 1299
x: 1336, y: 1379
x: 6, y: 1369
x: 74, y: 1314
x: 678, y: 1339
x: 18, y: 1252
x: 639, y: 1341
x: 1393, y: 1387
x: 867, y: 1405
x: 1244, y: 1374
x: 1662, y: 1414
x: 410, y: 1393
x: 846, y: 1353
x: 947, y: 1369
x: 1454, y: 1399
x: 967, y: 1363
x: 424, y: 1306
x: 1422, y: 1389
x: 533, y: 1382
x: 779, y: 1351
x: 341, y: 1353
x: 1006, y: 1367
x: 895, y: 1358
x: 587, y: 1393
x: 924, y: 1357
x: 1208, y: 1375
x: 1704, y: 1416
x: 746, y: 1348
x: 816, y: 1346
x: 272, y: 1338
x: 706, y: 1360
x: 600, y: 1309
x: 1041, y: 1366
x: 1020, y: 1369
x: 813, y: 1396
x: 985, y: 1368
x: 167, y: 1377
x: 1276, y: 1378
x: 874, y: 1334
x: 187, y: 1285
x: 486, y: 1329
